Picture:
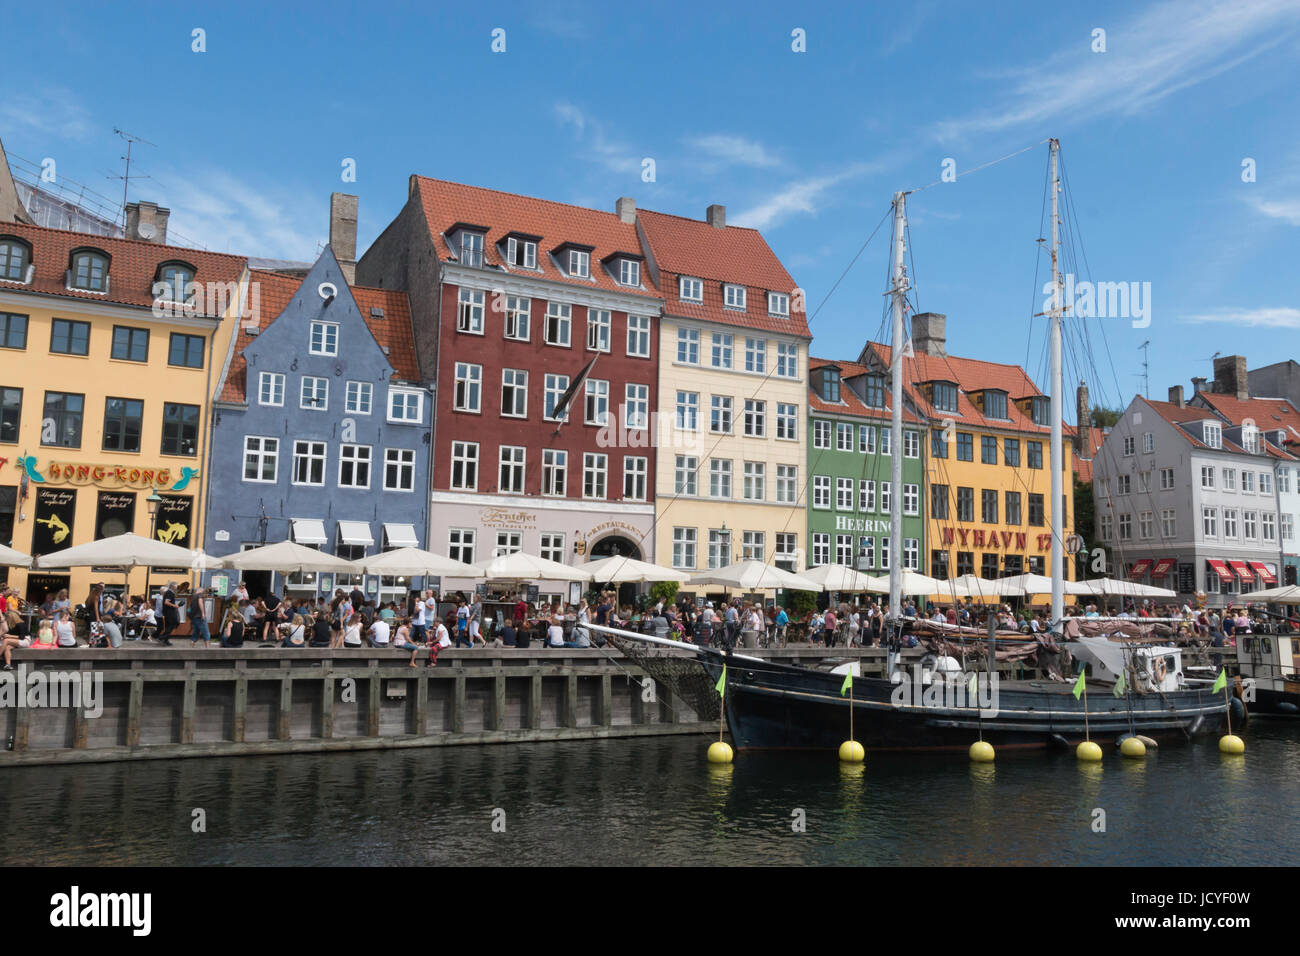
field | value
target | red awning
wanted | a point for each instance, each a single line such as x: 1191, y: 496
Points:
x: 1139, y: 568
x: 1220, y: 569
x: 1265, y: 575
x: 1163, y: 567
x: 1243, y: 571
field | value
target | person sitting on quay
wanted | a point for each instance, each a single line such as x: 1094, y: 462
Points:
x: 378, y: 634
x: 351, y: 627
x: 439, y: 639
x: 319, y: 627
x: 401, y: 640
x: 297, y: 632
x: 232, y: 629
x: 13, y: 633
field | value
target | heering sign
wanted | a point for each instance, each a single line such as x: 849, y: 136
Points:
x: 868, y: 525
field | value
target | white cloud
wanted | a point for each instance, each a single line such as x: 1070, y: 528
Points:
x: 1288, y: 210
x: 801, y: 196
x: 596, y: 145
x: 224, y: 213
x: 1168, y: 48
x: 48, y: 111
x: 1266, y: 318
x: 734, y: 149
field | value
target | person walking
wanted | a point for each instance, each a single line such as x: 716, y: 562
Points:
x: 170, y: 614
x: 198, y: 618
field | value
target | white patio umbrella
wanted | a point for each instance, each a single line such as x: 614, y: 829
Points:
x: 972, y: 586
x: 415, y: 562
x: 528, y: 567
x: 913, y: 584
x: 10, y: 558
x: 1285, y: 594
x: 838, y: 577
x: 1116, y: 587
x: 287, y: 557
x: 128, y: 551
x: 620, y: 570
x: 1039, y: 584
x: 751, y: 575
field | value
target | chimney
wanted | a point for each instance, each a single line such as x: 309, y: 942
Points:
x: 716, y: 216
x: 1176, y: 396
x: 343, y: 233
x: 626, y: 209
x: 1084, y: 413
x: 1198, y: 385
x: 1230, y: 376
x: 930, y: 333
x: 147, y: 221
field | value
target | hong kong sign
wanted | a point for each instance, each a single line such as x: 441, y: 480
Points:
x: 105, y: 476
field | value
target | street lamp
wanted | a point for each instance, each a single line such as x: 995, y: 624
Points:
x: 152, y: 503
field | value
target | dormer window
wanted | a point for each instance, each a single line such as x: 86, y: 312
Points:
x: 1040, y: 410
x: 471, y: 249
x: 521, y: 253
x: 778, y: 303
x: 1279, y: 438
x: 995, y: 404
x: 174, y: 282
x: 89, y: 271
x: 15, y: 257
x: 733, y: 296
x: 945, y: 397
x: 1213, y: 435
x: 629, y: 272
x: 579, y: 263
x: 831, y: 385
x: 875, y: 391
x: 1250, y: 439
x: 690, y: 290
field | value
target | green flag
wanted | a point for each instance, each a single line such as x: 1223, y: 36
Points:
x: 1078, y: 685
x: 1119, y: 685
x: 1221, y: 681
x: 848, y: 683
x: 722, y: 682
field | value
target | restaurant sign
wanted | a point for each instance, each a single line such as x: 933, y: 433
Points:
x: 105, y: 476
x: 505, y: 518
x: 994, y: 538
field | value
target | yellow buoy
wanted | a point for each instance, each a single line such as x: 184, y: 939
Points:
x: 1088, y: 751
x: 1132, y: 747
x: 720, y: 752
x: 1231, y: 744
x: 981, y: 751
x: 852, y: 752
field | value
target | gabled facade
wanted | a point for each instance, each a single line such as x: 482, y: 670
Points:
x: 109, y: 352
x: 849, y: 463
x: 321, y: 428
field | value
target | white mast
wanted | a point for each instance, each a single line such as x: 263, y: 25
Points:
x: 1056, y: 386
x: 896, y: 347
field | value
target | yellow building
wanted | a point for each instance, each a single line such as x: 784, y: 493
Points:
x: 109, y: 353
x: 988, y: 484
x: 732, y: 397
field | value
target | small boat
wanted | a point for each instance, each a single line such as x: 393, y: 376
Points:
x: 1270, y: 676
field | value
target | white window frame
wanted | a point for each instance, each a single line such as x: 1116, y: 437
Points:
x: 595, y: 404
x: 403, y: 459
x: 636, y: 480
x: 778, y: 304
x: 518, y: 318
x: 310, y: 455
x: 629, y: 272
x: 356, y: 460
x: 514, y: 382
x: 561, y: 314
x: 688, y: 341
x: 720, y: 475
x: 555, y: 473
x: 595, y: 471
x: 600, y: 327
x: 554, y: 386
x: 636, y: 406
x: 580, y: 263
x: 324, y: 399
x: 512, y: 469
x: 638, y: 335
x: 357, y: 395
x: 470, y: 399
x: 262, y: 453
x: 754, y: 481
x: 469, y: 311
x: 690, y: 289
x: 465, y: 454
x: 324, y: 338
x: 275, y: 382
x: 722, y: 350
x: 686, y: 475
x: 733, y: 297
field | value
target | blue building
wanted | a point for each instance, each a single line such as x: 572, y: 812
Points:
x: 320, y: 428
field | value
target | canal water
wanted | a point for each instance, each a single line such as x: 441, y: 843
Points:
x: 655, y: 801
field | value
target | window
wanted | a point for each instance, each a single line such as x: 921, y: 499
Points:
x: 691, y: 290
x: 405, y: 405
x: 867, y: 439
x: 580, y: 263
x: 787, y: 484
x: 1284, y: 481
x: 911, y: 554
x: 821, y: 433
x: 1145, y: 525
x: 1040, y: 409
x: 518, y: 312
x: 722, y: 344
x: 594, y: 468
x: 787, y: 546
x: 885, y: 496
x: 965, y: 563
x: 308, y: 463
x: 354, y: 466
x: 911, y: 444
x: 508, y: 542
x: 636, y: 407
x: 989, y: 506
x: 995, y: 405
x: 965, y: 504
x: 61, y: 423
x: 875, y: 391
x: 1209, y: 521
x: 939, y: 502
x: 1249, y: 523
x: 130, y: 344
x: 821, y: 491
x: 638, y: 336
x: 778, y: 303
x: 1148, y: 442
x: 911, y: 499
x: 1207, y: 476
x: 1037, y: 511
x: 688, y: 408
x: 1250, y: 439
x: 688, y: 346
x: 733, y: 296
x: 15, y: 256
x: 270, y: 388
x: 720, y: 415
x: 358, y: 398
x: 598, y: 329
x: 556, y: 386
x: 399, y: 469
x: 471, y: 249
x: 719, y: 548
x: 629, y: 272
x: 89, y: 272
x: 469, y: 380
x: 843, y: 494
x: 180, y: 429
x: 938, y: 445
x: 11, y: 414
x: 821, y: 549
x: 945, y: 397
x: 787, y: 360
x: 1229, y: 522
x: 755, y: 418
x: 1012, y: 499
x: 684, y: 475
x: 753, y: 545
x: 988, y: 450
x: 1106, y: 525
x: 1128, y: 445
x: 1265, y: 483
x: 559, y: 320
x: 460, y: 544
x: 1213, y: 435
x: 684, y: 548
x: 555, y: 470
x: 521, y: 252
x: 843, y: 437
x: 787, y: 421
x: 965, y: 446
x: 261, y: 456
x: 1268, y: 525
x: 635, y: 469
x: 719, y: 478
x: 552, y: 546
x: 1144, y: 481
x: 886, y: 439
x: 939, y: 564
x: 510, y: 470
x: 1166, y: 479
x: 844, y: 549
x: 756, y: 355
x: 596, y: 405
x: 324, y: 338
x: 1230, y: 479
x: 1168, y: 523
x: 1011, y: 452
x: 514, y: 392
x: 755, y: 482
x: 1035, y: 454
x: 1123, y: 484
x: 469, y: 314
x: 1247, y: 482
x: 464, y: 465
x: 314, y: 392
x: 13, y: 328
x: 990, y: 565
x: 123, y: 420
x: 866, y: 495
x: 185, y: 351
x: 68, y: 337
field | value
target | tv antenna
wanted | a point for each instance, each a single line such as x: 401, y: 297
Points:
x: 131, y: 140
x: 1146, y: 369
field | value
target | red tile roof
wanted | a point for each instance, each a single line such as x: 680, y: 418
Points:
x: 1193, y: 413
x: 693, y: 248
x: 1268, y: 414
x: 851, y: 404
x: 132, y: 270
x: 393, y: 331
x: 446, y: 204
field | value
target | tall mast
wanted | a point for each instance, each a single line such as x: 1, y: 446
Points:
x: 896, y: 346
x: 1056, y: 386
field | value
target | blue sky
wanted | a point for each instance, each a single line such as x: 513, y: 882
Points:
x: 809, y: 147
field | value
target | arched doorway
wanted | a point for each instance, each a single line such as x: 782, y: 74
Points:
x: 617, y: 545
